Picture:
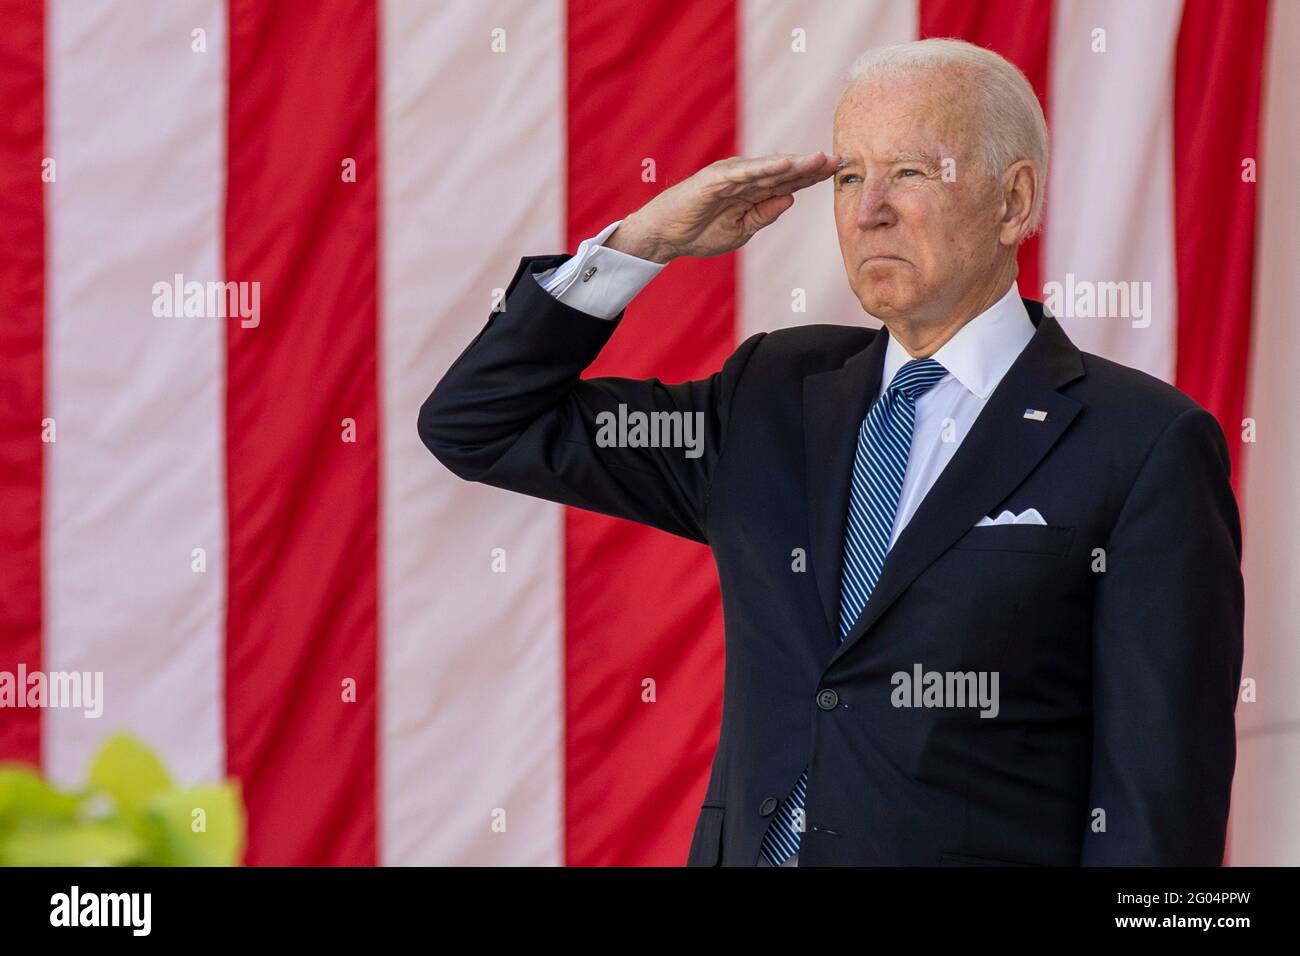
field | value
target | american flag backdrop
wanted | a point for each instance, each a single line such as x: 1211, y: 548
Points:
x: 236, y: 521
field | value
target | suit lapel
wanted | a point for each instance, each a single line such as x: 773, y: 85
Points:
x: 998, y: 453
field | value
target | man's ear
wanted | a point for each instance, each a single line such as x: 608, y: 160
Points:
x: 1020, y: 185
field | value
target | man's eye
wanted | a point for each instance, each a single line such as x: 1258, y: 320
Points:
x: 846, y: 177
x: 910, y: 172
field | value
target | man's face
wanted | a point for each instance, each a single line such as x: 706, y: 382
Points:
x: 916, y: 213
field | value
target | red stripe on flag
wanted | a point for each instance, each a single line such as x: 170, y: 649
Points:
x: 303, y: 563
x: 22, y: 358
x: 1021, y: 31
x: 652, y: 80
x: 1217, y: 84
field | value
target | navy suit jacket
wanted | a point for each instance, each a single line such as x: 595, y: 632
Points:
x: 1115, y: 629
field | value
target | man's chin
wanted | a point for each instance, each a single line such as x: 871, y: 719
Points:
x: 886, y: 302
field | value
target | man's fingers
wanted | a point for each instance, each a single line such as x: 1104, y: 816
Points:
x: 769, y: 170
x: 815, y: 170
x: 745, y: 173
x: 783, y: 175
x: 802, y: 182
x: 790, y: 167
x: 757, y: 193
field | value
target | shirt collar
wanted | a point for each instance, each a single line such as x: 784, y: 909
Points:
x: 981, y: 351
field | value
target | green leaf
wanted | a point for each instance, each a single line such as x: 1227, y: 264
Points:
x: 129, y: 772
x: 199, y: 826
x: 129, y: 815
x: 218, y: 810
x: 82, y: 844
x: 25, y: 796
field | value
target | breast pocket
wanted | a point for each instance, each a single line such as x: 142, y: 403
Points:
x: 1031, y: 538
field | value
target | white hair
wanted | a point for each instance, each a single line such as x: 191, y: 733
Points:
x: 1013, y: 126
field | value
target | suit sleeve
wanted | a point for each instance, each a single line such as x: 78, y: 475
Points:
x: 1167, y: 658
x: 513, y: 412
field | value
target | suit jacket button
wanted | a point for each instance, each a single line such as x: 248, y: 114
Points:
x: 766, y: 808
x: 827, y: 699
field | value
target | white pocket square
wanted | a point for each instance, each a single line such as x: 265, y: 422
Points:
x: 1028, y: 516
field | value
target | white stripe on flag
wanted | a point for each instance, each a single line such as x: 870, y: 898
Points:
x: 1110, y: 192
x: 472, y: 692
x: 1265, y: 827
x: 787, y: 102
x: 136, y: 126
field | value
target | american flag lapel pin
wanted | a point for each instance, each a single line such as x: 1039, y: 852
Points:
x: 1035, y: 414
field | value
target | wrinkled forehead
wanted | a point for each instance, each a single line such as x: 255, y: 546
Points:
x: 928, y: 113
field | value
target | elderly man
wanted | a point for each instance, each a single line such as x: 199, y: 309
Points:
x: 1016, y: 638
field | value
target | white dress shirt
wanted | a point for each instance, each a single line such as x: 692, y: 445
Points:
x: 602, y: 281
x: 976, y: 358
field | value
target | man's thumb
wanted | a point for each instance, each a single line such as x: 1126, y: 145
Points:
x: 766, y: 212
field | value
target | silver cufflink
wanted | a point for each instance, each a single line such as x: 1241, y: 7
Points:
x: 589, y: 273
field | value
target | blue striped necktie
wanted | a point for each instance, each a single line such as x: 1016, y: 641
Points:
x: 884, y: 441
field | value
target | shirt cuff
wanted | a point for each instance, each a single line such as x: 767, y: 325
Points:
x: 598, y: 280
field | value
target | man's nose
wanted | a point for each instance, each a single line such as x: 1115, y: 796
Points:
x: 873, y: 208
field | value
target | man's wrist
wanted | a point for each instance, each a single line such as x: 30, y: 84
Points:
x: 631, y: 239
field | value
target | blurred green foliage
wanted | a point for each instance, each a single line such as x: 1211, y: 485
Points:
x: 128, y: 814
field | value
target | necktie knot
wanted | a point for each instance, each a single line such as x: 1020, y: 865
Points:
x: 917, y: 377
